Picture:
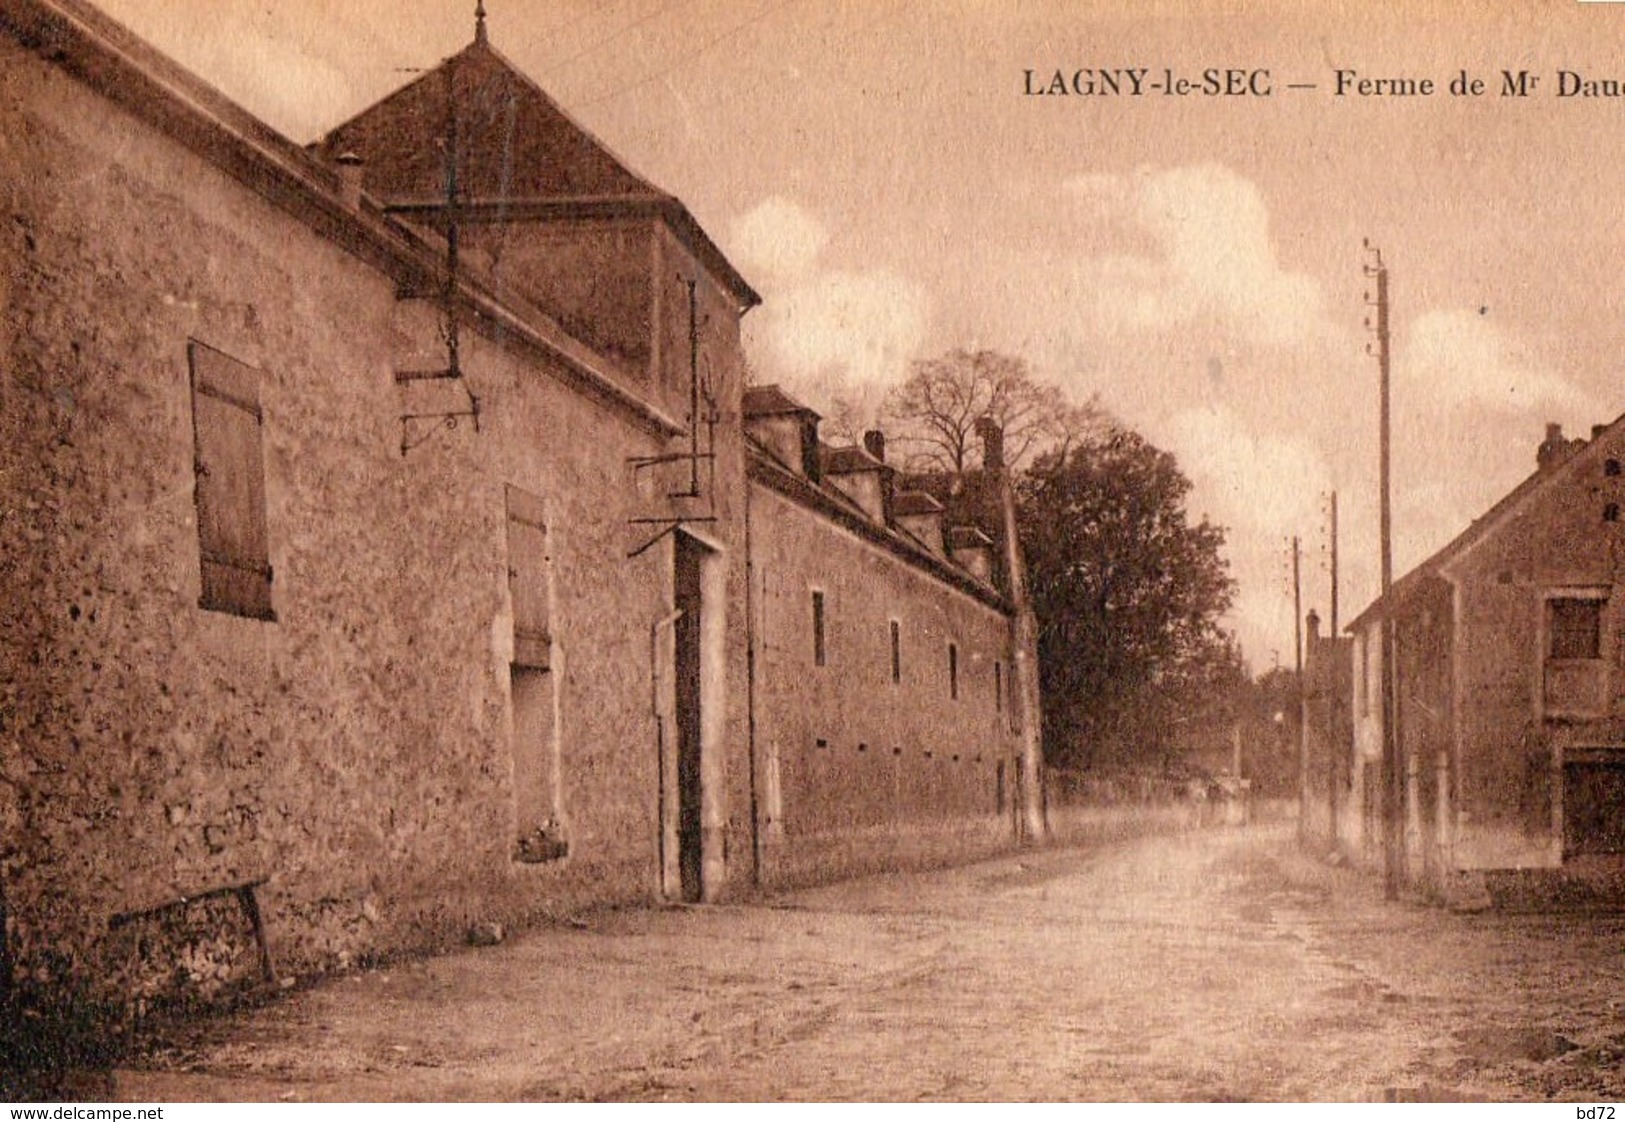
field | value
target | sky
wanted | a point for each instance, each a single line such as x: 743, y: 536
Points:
x: 882, y: 174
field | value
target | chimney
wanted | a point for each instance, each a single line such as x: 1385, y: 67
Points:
x: 1314, y: 625
x: 1554, y: 449
x: 874, y: 442
x: 812, y: 461
x: 351, y: 173
x: 992, y: 443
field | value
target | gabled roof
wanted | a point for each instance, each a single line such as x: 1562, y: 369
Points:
x: 849, y: 459
x: 1487, y: 523
x: 771, y: 401
x: 906, y: 503
x: 514, y: 142
x: 515, y: 146
x: 968, y: 537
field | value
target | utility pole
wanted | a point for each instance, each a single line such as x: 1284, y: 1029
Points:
x: 1335, y: 723
x: 1393, y: 838
x: 1297, y: 666
x: 1333, y: 536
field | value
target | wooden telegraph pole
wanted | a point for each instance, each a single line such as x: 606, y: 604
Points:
x: 1336, y: 723
x: 1297, y: 667
x: 1393, y: 838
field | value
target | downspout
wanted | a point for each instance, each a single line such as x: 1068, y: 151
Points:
x: 655, y: 681
x: 750, y: 701
x: 1024, y: 638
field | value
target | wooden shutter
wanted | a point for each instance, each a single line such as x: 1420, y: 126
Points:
x: 229, y: 465
x: 528, y: 564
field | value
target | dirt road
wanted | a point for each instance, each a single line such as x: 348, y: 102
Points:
x: 1210, y: 965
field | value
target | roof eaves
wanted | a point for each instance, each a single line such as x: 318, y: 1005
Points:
x: 768, y: 471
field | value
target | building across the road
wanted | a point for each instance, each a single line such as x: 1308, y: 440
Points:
x: 1509, y: 699
x: 393, y: 548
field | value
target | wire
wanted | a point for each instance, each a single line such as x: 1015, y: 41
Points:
x: 689, y: 57
x: 613, y: 35
x: 646, y: 125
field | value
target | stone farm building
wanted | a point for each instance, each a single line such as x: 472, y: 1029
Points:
x: 391, y: 545
x: 1509, y: 697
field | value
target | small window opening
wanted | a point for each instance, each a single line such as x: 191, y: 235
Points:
x: 1610, y: 467
x: 953, y: 671
x: 1610, y: 513
x: 819, y: 652
x: 998, y: 687
x: 896, y: 652
x: 1576, y: 628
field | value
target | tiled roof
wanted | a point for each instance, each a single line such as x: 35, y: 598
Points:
x: 915, y: 502
x: 851, y: 458
x: 770, y: 400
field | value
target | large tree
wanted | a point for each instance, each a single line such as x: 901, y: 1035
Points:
x: 932, y: 416
x: 1128, y: 590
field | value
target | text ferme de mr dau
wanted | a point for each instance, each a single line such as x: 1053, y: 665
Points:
x: 1345, y: 82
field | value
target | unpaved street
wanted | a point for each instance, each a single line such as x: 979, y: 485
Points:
x: 1207, y: 965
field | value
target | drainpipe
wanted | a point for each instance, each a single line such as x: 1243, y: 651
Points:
x: 1024, y: 638
x: 655, y: 680
x: 750, y: 702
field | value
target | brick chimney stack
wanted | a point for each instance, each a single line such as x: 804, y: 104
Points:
x: 992, y: 435
x: 1554, y: 449
x: 874, y: 442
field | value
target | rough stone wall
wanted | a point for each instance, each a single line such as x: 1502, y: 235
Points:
x: 857, y: 771
x: 592, y: 276
x: 1511, y: 770
x: 356, y: 751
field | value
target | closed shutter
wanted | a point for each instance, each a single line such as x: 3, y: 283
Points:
x: 528, y: 564
x: 229, y: 464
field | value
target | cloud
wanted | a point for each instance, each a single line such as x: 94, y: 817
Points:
x: 822, y: 326
x: 1456, y: 358
x: 1263, y: 488
x: 777, y: 240
x: 1256, y: 482
x: 1204, y: 250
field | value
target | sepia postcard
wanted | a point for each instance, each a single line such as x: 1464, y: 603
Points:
x: 811, y: 550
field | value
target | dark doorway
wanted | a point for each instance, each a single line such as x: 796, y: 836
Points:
x: 689, y: 557
x: 1594, y: 807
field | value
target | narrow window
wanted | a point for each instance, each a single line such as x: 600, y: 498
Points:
x: 818, y: 628
x: 896, y: 651
x: 531, y: 684
x: 1610, y: 512
x: 528, y: 564
x: 998, y: 686
x: 229, y: 466
x: 1576, y: 628
x: 953, y: 671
